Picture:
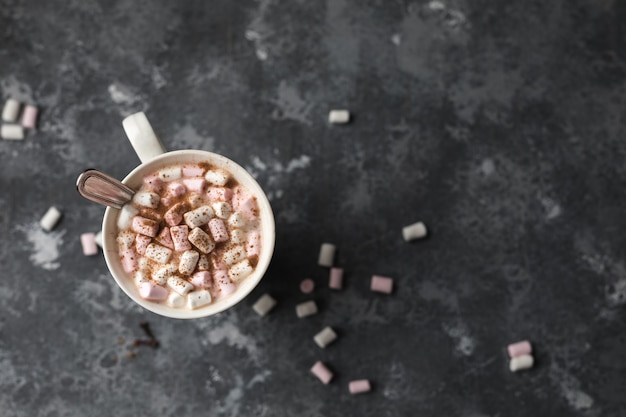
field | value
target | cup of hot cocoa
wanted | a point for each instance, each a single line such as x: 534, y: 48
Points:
x: 197, y: 235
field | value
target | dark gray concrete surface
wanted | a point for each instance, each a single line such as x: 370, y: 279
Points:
x: 500, y: 124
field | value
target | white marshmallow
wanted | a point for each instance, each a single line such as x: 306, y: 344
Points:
x: 141, y: 277
x: 339, y: 116
x: 327, y: 254
x: 98, y: 239
x: 222, y: 209
x: 201, y: 240
x: 188, y: 261
x: 240, y: 270
x: 198, y: 217
x: 125, y: 240
x: 179, y: 285
x: 12, y: 132
x: 161, y: 275
x: 144, y: 264
x: 237, y: 219
x: 414, y: 231
x: 171, y: 173
x: 197, y: 299
x: 237, y: 236
x: 50, y: 219
x: 203, y: 263
x: 264, y: 304
x: 234, y: 254
x: 325, y: 337
x: 158, y: 253
x: 147, y: 199
x: 521, y: 362
x: 217, y: 177
x: 308, y: 308
x: 10, y: 110
x: 175, y: 300
x: 195, y: 200
x: 125, y: 217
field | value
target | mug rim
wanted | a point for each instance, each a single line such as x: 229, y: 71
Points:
x: 268, y: 236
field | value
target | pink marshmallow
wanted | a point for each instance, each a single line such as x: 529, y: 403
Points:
x: 249, y: 208
x: 307, y: 286
x: 219, y: 194
x: 165, y: 238
x: 179, y: 237
x: 218, y: 263
x: 253, y: 244
x: 174, y: 215
x: 202, y: 279
x: 88, y: 242
x: 359, y: 386
x: 322, y: 372
x: 150, y: 291
x: 192, y: 170
x: 29, y: 117
x: 336, y: 278
x: 382, y: 284
x: 221, y: 278
x: 153, y: 183
x: 196, y: 185
x: 519, y: 349
x: 175, y: 189
x: 145, y: 226
x: 129, y: 260
x: 141, y: 243
x: 218, y: 230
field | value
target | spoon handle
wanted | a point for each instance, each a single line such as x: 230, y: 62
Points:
x: 103, y: 189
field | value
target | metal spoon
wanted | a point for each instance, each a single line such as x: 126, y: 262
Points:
x: 103, y: 189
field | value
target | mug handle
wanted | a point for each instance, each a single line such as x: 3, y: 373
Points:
x: 145, y: 142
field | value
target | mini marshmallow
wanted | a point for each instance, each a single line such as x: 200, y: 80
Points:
x: 179, y: 285
x: 240, y: 270
x: 336, y: 278
x: 359, y: 386
x: 222, y: 209
x: 203, y: 263
x: 29, y: 117
x: 50, y: 219
x: 339, y: 116
x: 125, y: 217
x: 217, y: 177
x: 151, y: 291
x: 128, y: 257
x: 10, y: 110
x: 88, y: 242
x: 192, y: 170
x: 196, y: 185
x: 141, y: 243
x: 165, y: 238
x: 147, y: 199
x: 218, y: 230
x: 327, y: 254
x: 201, y: 279
x: 253, y: 244
x: 98, y: 239
x: 414, y: 231
x: 219, y: 194
x: 249, y: 208
x: 174, y: 215
x: 307, y: 286
x: 264, y: 305
x: 234, y: 254
x: 144, y: 264
x: 180, y: 237
x: 196, y: 200
x: 220, y: 276
x: 175, y: 300
x: 125, y: 240
x: 381, y: 284
x: 188, y: 261
x: 322, y: 372
x: 153, y: 183
x: 12, y: 132
x: 519, y: 349
x: 201, y: 240
x: 325, y: 337
x: 198, y: 217
x: 197, y: 299
x: 158, y: 253
x: 237, y: 236
x: 144, y: 226
x: 237, y: 220
x: 170, y: 173
x: 161, y: 275
x: 521, y: 362
x: 308, y: 308
x: 140, y: 278
x: 175, y: 189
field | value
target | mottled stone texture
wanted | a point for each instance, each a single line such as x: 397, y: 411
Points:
x: 499, y: 124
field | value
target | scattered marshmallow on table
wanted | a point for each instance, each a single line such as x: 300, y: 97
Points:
x: 414, y: 231
x: 519, y: 349
x: 10, y: 110
x: 327, y: 254
x: 29, y: 117
x: 307, y: 286
x: 264, y: 305
x: 88, y: 242
x: 322, y: 372
x: 50, y: 219
x: 359, y: 386
x: 382, y: 284
x: 98, y: 239
x: 12, y: 132
x: 336, y: 278
x: 339, y: 116
x: 308, y: 308
x: 325, y: 337
x: 519, y: 363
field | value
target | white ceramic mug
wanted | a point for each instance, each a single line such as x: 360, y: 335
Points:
x: 154, y: 157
